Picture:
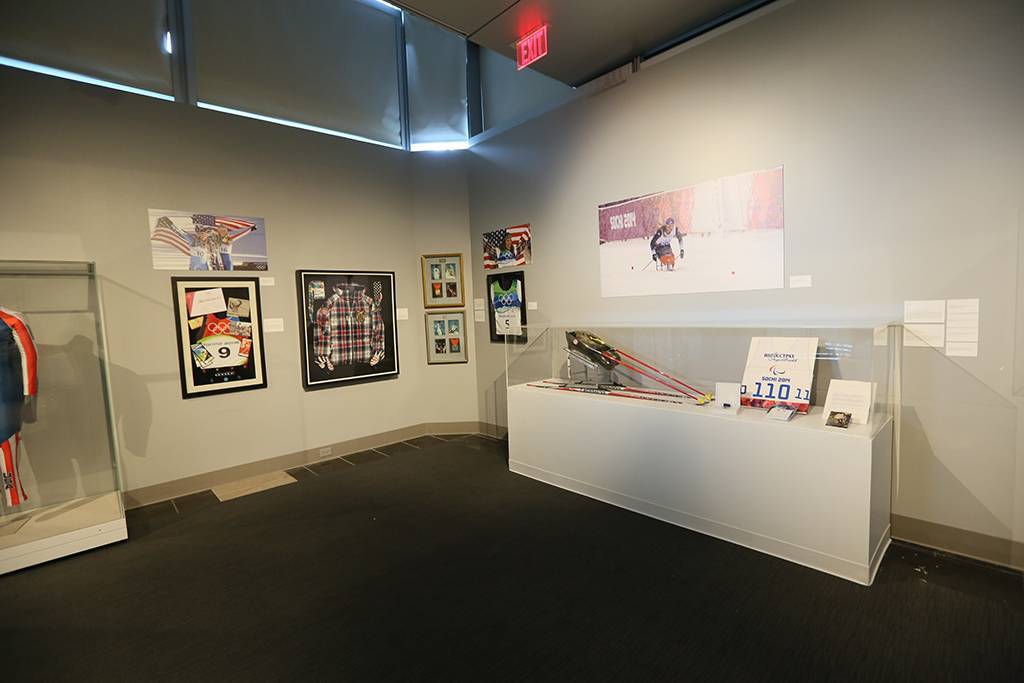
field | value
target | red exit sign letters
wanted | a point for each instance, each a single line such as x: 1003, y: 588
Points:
x: 531, y: 47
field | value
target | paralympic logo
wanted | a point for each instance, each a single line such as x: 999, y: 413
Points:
x: 776, y: 371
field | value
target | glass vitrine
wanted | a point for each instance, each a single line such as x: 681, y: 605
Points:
x: 62, y: 490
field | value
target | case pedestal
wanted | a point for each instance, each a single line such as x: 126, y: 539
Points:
x: 48, y: 533
x: 799, y: 490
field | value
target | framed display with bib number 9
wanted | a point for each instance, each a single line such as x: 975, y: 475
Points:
x: 220, y: 335
x: 348, y: 326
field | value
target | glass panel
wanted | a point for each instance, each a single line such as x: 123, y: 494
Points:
x: 436, y: 64
x: 66, y: 455
x: 955, y: 465
x: 702, y: 356
x: 112, y: 40
x: 332, y: 64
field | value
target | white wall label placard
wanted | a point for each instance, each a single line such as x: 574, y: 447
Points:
x: 797, y: 281
x: 273, y: 324
x: 962, y: 318
x: 479, y: 316
x: 479, y: 305
x: 882, y: 335
x: 402, y: 313
x: 962, y: 349
x: 924, y: 335
x: 850, y: 396
x: 531, y: 305
x: 266, y: 281
x: 780, y: 371
x: 929, y: 311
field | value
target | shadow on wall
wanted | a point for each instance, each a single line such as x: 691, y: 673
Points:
x: 68, y: 448
x: 133, y: 410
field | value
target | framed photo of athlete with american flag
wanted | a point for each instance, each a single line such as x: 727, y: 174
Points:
x: 220, y: 334
x: 348, y: 327
x: 508, y: 247
x: 186, y: 240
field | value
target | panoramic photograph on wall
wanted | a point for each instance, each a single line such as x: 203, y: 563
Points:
x: 183, y: 240
x: 220, y: 335
x: 720, y: 235
x: 348, y: 329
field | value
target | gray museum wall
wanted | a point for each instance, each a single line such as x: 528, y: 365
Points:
x: 81, y: 166
x: 900, y: 128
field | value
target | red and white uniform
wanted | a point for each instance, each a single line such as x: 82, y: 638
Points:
x: 18, y: 379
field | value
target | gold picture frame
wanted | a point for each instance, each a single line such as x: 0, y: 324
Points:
x: 443, y: 280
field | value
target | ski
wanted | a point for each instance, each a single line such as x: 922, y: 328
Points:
x: 660, y: 372
x: 606, y: 392
x: 619, y: 387
x: 601, y: 352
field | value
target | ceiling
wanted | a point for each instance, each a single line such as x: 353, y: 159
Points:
x: 586, y: 38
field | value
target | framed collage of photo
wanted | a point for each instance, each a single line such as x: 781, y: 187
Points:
x: 446, y: 338
x: 442, y: 281
x: 348, y: 327
x: 220, y: 335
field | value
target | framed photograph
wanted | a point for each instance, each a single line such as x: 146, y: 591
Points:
x: 446, y: 341
x: 348, y: 329
x: 507, y: 247
x: 186, y: 240
x: 442, y: 281
x: 506, y: 297
x: 220, y: 335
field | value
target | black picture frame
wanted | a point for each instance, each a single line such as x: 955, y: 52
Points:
x: 345, y: 365
x: 505, y: 281
x: 212, y: 381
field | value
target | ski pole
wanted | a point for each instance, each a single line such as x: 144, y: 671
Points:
x: 650, y: 376
x: 660, y: 372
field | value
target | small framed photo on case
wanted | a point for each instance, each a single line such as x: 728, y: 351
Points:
x: 442, y: 281
x: 446, y: 342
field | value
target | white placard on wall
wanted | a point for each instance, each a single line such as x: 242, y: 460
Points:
x: 927, y: 311
x: 798, y: 281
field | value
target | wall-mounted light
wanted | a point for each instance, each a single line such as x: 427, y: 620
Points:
x: 439, y: 146
x: 81, y: 78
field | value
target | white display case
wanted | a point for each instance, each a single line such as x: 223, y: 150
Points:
x: 800, y: 490
x: 67, y: 459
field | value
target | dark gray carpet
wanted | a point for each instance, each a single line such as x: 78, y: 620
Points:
x: 438, y: 564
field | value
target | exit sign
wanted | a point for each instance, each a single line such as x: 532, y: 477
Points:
x: 531, y: 47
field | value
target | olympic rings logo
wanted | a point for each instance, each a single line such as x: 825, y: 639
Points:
x: 219, y: 327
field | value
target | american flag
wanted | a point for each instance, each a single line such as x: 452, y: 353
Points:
x: 170, y: 234
x: 211, y: 221
x: 507, y: 247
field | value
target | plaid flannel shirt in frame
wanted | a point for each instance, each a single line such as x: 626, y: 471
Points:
x: 349, y: 326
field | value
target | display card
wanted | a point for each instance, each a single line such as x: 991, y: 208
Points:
x: 780, y: 371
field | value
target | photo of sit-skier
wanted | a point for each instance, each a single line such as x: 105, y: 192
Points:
x: 662, y: 254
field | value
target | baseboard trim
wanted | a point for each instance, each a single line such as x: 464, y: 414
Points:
x: 1004, y: 552
x: 167, y: 490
